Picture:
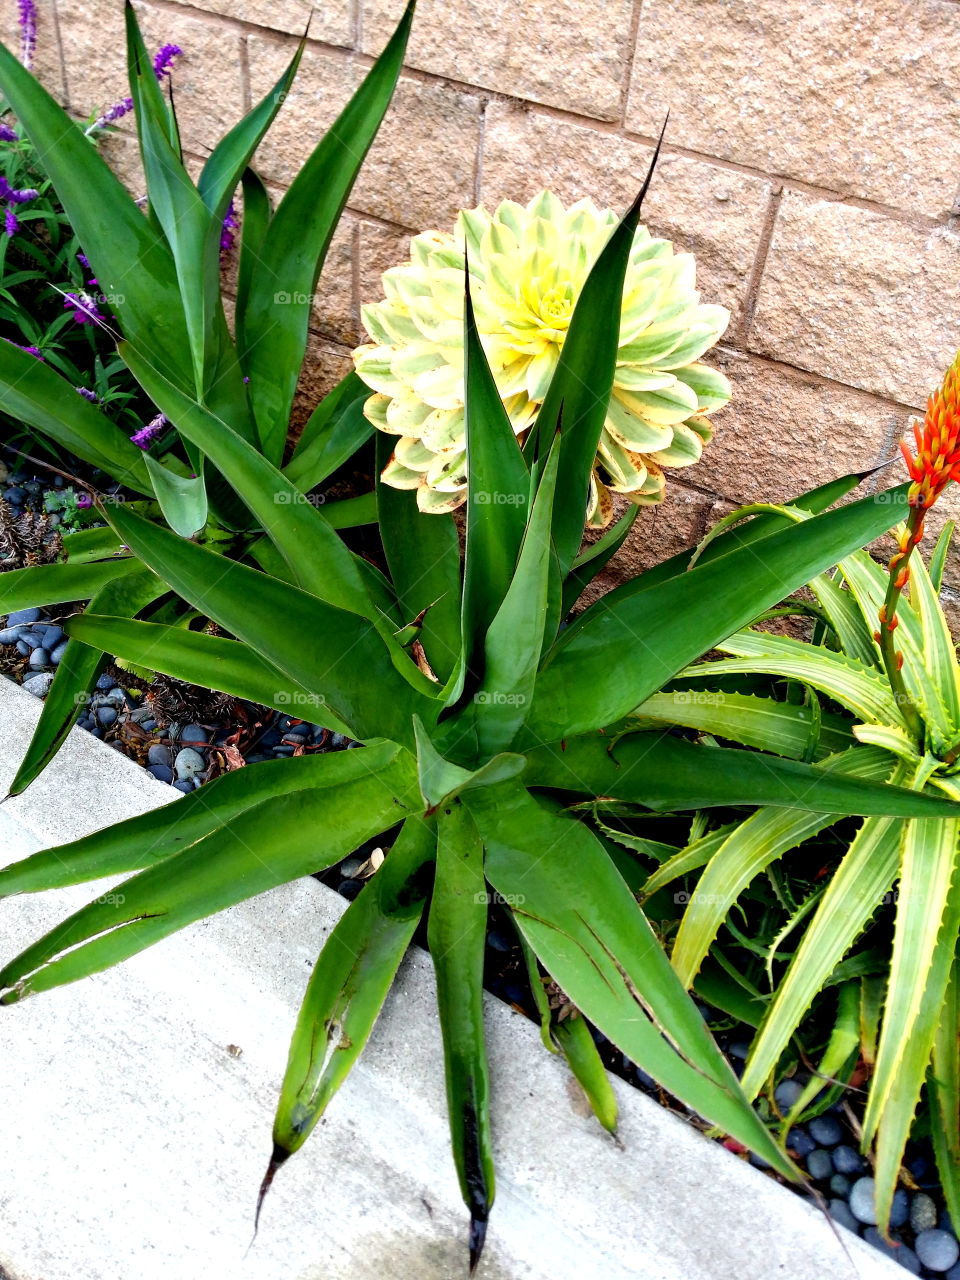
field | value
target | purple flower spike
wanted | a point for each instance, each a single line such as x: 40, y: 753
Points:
x: 10, y: 224
x: 162, y: 65
x: 163, y: 59
x: 145, y: 437
x: 228, y: 231
x: 89, y: 395
x: 84, y: 501
x: 28, y: 31
x: 7, y: 134
x: 84, y: 308
x: 14, y: 196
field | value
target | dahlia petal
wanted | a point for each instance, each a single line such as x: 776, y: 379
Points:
x: 630, y: 428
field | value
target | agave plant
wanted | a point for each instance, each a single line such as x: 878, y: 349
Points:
x: 482, y: 718
x: 159, y: 273
x: 892, y: 666
x: 527, y: 267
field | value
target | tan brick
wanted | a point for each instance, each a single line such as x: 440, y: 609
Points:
x: 784, y: 432
x: 122, y: 154
x: 563, y: 53
x: 861, y: 98
x: 46, y: 66
x: 860, y: 297
x: 332, y: 22
x: 324, y: 366
x: 715, y: 213
x: 334, y: 313
x: 421, y: 168
x: 206, y: 77
x: 380, y: 249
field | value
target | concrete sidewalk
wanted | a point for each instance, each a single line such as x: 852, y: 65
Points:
x: 133, y: 1134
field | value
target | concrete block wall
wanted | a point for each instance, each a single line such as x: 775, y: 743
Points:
x: 812, y: 164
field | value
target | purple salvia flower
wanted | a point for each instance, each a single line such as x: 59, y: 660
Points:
x: 89, y: 395
x: 162, y: 63
x: 84, y: 501
x: 84, y: 308
x: 7, y: 134
x: 14, y: 196
x: 228, y: 230
x: 31, y: 351
x: 147, y: 434
x: 10, y: 224
x: 163, y: 59
x: 28, y: 31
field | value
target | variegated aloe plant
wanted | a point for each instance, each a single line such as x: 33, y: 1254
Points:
x: 482, y: 718
x: 890, y: 663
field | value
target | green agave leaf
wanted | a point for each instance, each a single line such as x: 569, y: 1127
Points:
x: 749, y: 849
x: 681, y: 862
x: 855, y: 892
x: 594, y: 559
x: 587, y: 930
x: 516, y: 634
x: 577, y: 1046
x: 210, y: 661
x: 333, y: 433
x: 657, y: 632
x: 257, y: 212
x: 580, y: 388
x: 349, y: 984
x: 943, y: 1086
x: 498, y: 484
x: 151, y: 837
x: 132, y: 263
x: 40, y: 585
x: 32, y: 392
x: 759, y: 526
x: 320, y: 647
x: 90, y: 544
x: 861, y: 689
x: 442, y: 781
x: 176, y: 205
x: 271, y: 332
x: 665, y: 773
x: 456, y: 934
x: 183, y: 499
x: 317, y: 559
x: 781, y: 727
x: 423, y: 556
x: 76, y: 677
x: 265, y: 846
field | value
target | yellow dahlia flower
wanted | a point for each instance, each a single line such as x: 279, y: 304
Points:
x: 527, y: 268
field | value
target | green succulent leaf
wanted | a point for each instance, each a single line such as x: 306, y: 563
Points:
x: 456, y: 934
x: 578, y: 1047
x: 45, y: 584
x: 272, y: 327
x: 264, y: 846
x: 587, y: 930
x: 657, y: 632
x: 349, y: 984
x: 76, y: 677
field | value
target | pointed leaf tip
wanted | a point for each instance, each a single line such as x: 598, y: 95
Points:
x: 278, y: 1157
x: 478, y: 1236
